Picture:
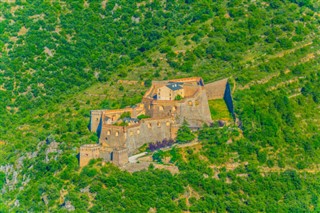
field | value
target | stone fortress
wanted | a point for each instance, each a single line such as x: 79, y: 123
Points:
x: 163, y: 109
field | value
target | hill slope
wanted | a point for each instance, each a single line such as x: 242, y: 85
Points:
x: 61, y: 59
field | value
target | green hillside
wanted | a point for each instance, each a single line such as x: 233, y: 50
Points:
x: 61, y: 59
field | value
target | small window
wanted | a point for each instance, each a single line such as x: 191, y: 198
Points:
x: 149, y: 125
x: 131, y: 133
x: 190, y: 103
x: 117, y: 133
x: 97, y: 119
x: 161, y: 108
x: 138, y: 132
x: 174, y: 109
x: 159, y: 124
x: 108, y: 132
x: 168, y: 123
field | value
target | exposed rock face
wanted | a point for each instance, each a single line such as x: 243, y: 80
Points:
x: 45, y: 199
x: 16, y: 203
x: 68, y: 206
x: 11, y: 177
x: 15, y: 177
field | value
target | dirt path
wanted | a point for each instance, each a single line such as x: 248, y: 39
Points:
x: 284, y: 83
x: 294, y: 95
x: 134, y: 158
x: 277, y: 169
x: 285, y: 52
x: 134, y: 166
x: 261, y: 81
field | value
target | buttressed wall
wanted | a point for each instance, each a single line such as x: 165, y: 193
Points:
x: 117, y: 142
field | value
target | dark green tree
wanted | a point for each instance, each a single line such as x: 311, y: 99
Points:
x: 184, y: 134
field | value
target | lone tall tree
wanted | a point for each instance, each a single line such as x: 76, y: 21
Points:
x: 184, y: 134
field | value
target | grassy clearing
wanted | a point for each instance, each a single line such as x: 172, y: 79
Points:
x: 219, y: 110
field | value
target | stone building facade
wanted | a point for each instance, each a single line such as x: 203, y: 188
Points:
x: 161, y: 113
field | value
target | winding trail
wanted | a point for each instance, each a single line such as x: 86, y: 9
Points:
x: 134, y: 158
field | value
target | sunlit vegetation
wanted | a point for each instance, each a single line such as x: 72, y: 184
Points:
x: 219, y: 110
x: 61, y: 59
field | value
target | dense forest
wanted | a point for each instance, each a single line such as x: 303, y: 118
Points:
x: 61, y: 59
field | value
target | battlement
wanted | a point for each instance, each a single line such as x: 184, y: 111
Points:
x: 90, y: 146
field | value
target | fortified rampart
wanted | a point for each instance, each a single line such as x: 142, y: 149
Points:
x: 120, y: 136
x: 88, y: 152
x: 95, y: 120
x: 216, y: 90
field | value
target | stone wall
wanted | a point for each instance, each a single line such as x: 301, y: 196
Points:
x: 112, y: 136
x: 195, y: 110
x: 216, y: 90
x: 150, y: 130
x: 115, y: 114
x: 190, y: 90
x: 105, y: 154
x: 174, y: 130
x: 95, y: 120
x: 120, y: 156
x: 88, y: 152
x: 160, y: 109
x: 133, y: 137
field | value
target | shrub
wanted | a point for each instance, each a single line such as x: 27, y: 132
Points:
x: 184, y: 134
x: 178, y: 98
x: 159, y: 145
